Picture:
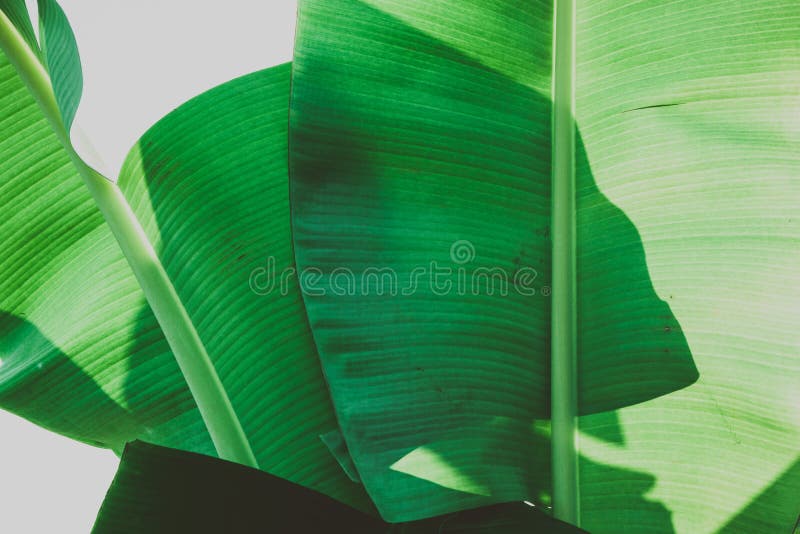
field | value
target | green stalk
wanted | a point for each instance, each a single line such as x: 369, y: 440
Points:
x: 212, y: 400
x: 564, y: 318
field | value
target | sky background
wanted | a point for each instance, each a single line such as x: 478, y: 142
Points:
x: 141, y: 59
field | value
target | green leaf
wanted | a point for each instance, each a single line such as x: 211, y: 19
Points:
x: 17, y: 13
x: 61, y: 58
x: 404, y: 158
x: 71, y: 305
x: 164, y: 490
x: 421, y: 133
x: 82, y: 352
x: 415, y: 125
x: 688, y: 115
x: 57, y: 56
x: 209, y: 185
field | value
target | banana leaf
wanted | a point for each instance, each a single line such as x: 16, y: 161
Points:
x: 421, y: 138
x: 82, y: 352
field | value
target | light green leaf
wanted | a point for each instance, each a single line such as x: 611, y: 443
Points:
x: 82, y: 353
x: 57, y: 55
x: 17, y: 13
x: 421, y: 132
x: 689, y: 119
x: 414, y: 127
x: 71, y: 307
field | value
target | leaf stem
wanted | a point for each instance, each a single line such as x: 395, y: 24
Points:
x: 204, y: 383
x: 564, y: 317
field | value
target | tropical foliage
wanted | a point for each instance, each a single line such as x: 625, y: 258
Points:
x: 608, y: 191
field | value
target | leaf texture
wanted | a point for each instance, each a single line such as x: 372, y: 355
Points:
x: 689, y: 121
x: 209, y: 185
x: 60, y: 53
x: 686, y: 166
x: 82, y: 352
x: 403, y: 157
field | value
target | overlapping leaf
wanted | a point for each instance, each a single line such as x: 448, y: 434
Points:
x: 411, y: 157
x: 82, y: 353
x: 421, y: 140
x: 402, y: 143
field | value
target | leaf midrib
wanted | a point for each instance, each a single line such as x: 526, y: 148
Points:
x: 196, y: 366
x: 564, y: 303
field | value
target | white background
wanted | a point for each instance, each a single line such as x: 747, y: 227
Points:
x: 141, y: 59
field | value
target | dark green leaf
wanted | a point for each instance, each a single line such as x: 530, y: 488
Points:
x: 164, y: 490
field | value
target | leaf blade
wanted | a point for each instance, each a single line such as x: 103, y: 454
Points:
x: 686, y: 118
x: 209, y: 184
x: 158, y: 405
x: 400, y: 156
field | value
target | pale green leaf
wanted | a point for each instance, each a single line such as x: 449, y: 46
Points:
x: 690, y: 120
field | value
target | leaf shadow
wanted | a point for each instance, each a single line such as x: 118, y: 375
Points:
x: 626, y: 355
x: 640, y: 514
x: 41, y: 383
x: 777, y: 504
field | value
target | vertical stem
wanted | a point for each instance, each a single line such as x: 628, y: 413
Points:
x: 564, y: 321
x: 198, y: 370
